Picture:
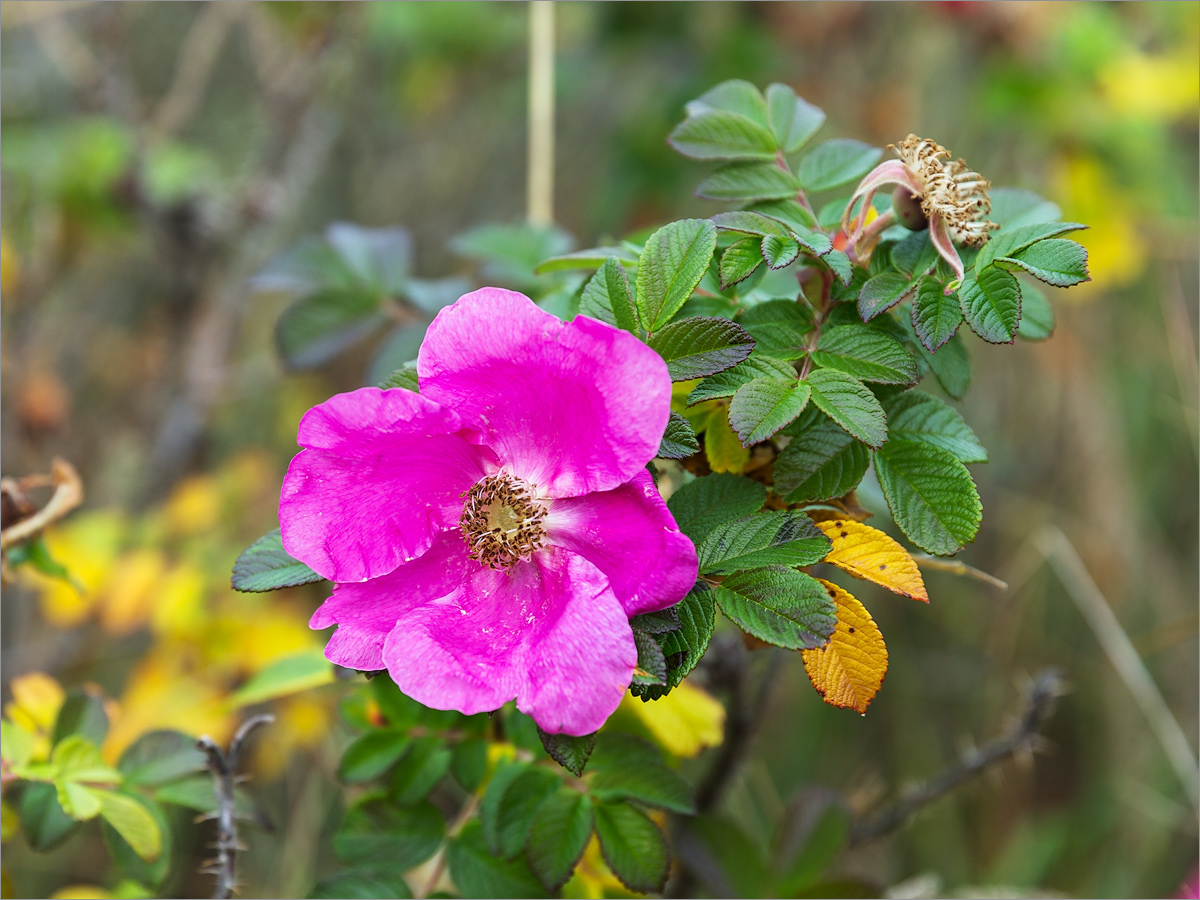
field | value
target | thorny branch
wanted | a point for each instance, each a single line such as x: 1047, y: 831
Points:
x: 223, y: 766
x: 1022, y: 737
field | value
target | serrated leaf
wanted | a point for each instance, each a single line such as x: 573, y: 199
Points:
x: 722, y: 447
x: 130, y: 818
x: 558, y: 836
x: 991, y: 304
x: 726, y: 383
x: 836, y: 162
x: 745, y: 182
x: 672, y: 263
x: 151, y: 872
x: 372, y: 754
x: 850, y: 403
x: 720, y: 134
x: 518, y: 806
x: 377, y: 256
x: 865, y: 353
x: 762, y: 406
x: 779, y: 327
x: 398, y: 350
x: 316, y: 328
x: 792, y: 120
x: 1037, y: 316
x: 952, y: 367
x: 477, y: 873
x: 607, y: 297
x: 882, y: 292
x: 404, y: 378
x: 679, y: 440
x: 288, y: 675
x: 931, y: 494
x: 778, y: 605
x: 735, y: 95
x: 419, y: 770
x: 366, y: 885
x: 1012, y: 207
x: 569, y: 751
x: 747, y: 221
x: 380, y: 836
x: 658, y: 622
x: 1009, y: 242
x: 871, y: 555
x: 633, y: 846
x: 739, y: 261
x: 701, y: 345
x: 779, y: 252
x: 1057, y: 261
x: 648, y: 782
x: 935, y: 316
x: 684, y: 647
x: 821, y: 462
x: 592, y: 258
x: 158, y: 757
x: 796, y: 217
x: 652, y: 663
x: 840, y: 263
x: 775, y: 537
x: 849, y: 670
x: 266, y: 566
x: 914, y: 254
x: 701, y: 505
x: 921, y: 417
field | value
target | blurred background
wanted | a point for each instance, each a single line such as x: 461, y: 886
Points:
x: 156, y: 156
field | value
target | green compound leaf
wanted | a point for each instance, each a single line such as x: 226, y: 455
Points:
x: 419, y: 771
x: 822, y: 461
x: 746, y: 221
x: 931, y: 495
x: 915, y: 254
x: 779, y: 252
x: 593, y: 258
x: 318, y: 327
x: 266, y: 566
x: 792, y: 120
x: 882, y: 292
x: 746, y: 182
x: 607, y: 297
x: 836, y: 162
x: 935, y: 316
x: 158, y: 757
x: 850, y: 403
x: 672, y: 263
x: 762, y: 406
x: 991, y: 304
x: 469, y: 763
x: 1009, y: 242
x: 780, y: 606
x: 379, y: 836
x: 739, y: 261
x: 633, y: 846
x: 726, y: 384
x: 701, y: 345
x: 569, y: 751
x: 404, y: 378
x: 720, y: 134
x: 840, y: 263
x: 517, y: 807
x: 701, y: 505
x: 684, y: 647
x: 780, y: 328
x: 777, y: 537
x: 652, y: 663
x: 371, y: 755
x: 921, y: 417
x: 1037, y: 316
x: 558, y: 836
x: 865, y: 353
x: 644, y: 778
x: 477, y: 873
x: 1057, y: 261
x: 658, y: 622
x: 679, y: 440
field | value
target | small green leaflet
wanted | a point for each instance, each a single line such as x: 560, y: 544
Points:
x: 317, y: 327
x: 921, y: 417
x: 1057, y: 261
x: 780, y: 606
x: 679, y: 440
x: 935, y: 316
x: 882, y: 292
x: 836, y: 162
x: 652, y: 663
x: 915, y: 254
x: 630, y: 769
x: 672, y: 263
x: 420, y: 770
x: 865, y: 353
x: 700, y: 346
x: 633, y: 846
x: 720, y: 134
x: 266, y: 566
x: 570, y: 752
x: 762, y: 406
x: 739, y: 261
x: 1037, y: 316
x: 775, y: 537
x: 779, y: 252
x: 848, y: 402
x: 588, y: 259
x: 821, y: 462
x: 371, y: 755
x: 792, y: 120
x: 725, y: 384
x: 746, y: 221
x: 839, y: 262
x: 404, y: 378
x: 931, y: 495
x: 684, y: 647
x: 746, y: 182
x: 735, y: 95
x: 607, y: 297
x: 558, y: 836
x: 1009, y: 242
x: 477, y: 873
x: 701, y: 505
x: 991, y: 304
x: 382, y: 837
x: 779, y: 327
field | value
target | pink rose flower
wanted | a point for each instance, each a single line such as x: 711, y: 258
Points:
x: 491, y: 536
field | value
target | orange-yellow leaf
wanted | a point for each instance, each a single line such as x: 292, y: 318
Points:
x: 848, y: 670
x: 722, y: 446
x: 868, y: 553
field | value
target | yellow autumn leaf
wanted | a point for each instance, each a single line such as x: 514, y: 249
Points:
x: 684, y: 722
x: 87, y: 545
x: 848, y: 670
x: 722, y: 446
x: 868, y: 553
x: 36, y: 700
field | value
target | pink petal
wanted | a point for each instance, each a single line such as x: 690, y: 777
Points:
x: 382, y: 473
x: 630, y: 536
x: 940, y: 236
x: 572, y: 408
x: 893, y: 171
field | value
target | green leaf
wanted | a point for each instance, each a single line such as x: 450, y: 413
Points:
x: 477, y: 873
x: 649, y: 783
x: 633, y: 846
x: 917, y: 416
x: 43, y: 820
x: 991, y: 304
x: 651, y: 663
x: 792, y: 120
x: 378, y: 257
x: 882, y: 292
x: 511, y: 251
x: 371, y: 755
x: 821, y: 462
x: 935, y: 316
x: 152, y: 871
x: 865, y: 353
x: 739, y: 261
x: 289, y: 675
x: 16, y: 744
x: 79, y: 802
x: 404, y: 378
x: 305, y: 267
x: 745, y: 182
x: 398, y: 351
x: 196, y: 792
x: 607, y: 297
x: 1012, y: 207
x: 931, y: 495
x: 779, y: 327
x: 489, y: 807
x: 568, y: 751
x: 701, y: 345
x: 318, y: 327
x: 778, y: 605
x: 679, y: 440
x: 684, y: 647
x: 379, y: 836
x: 775, y: 537
x: 762, y: 406
x: 836, y: 162
x: 518, y: 806
x: 915, y: 254
x: 469, y: 763
x: 133, y: 821
x: 558, y: 836
x: 82, y: 713
x: 747, y: 221
x: 658, y: 622
x: 674, y: 260
x: 346, y: 885
x: 594, y: 258
x: 158, y: 757
x: 726, y: 384
x: 419, y: 771
x: 701, y: 505
x: 799, y: 219
x: 719, y: 134
x: 266, y: 566
x: 779, y: 252
x: 1009, y: 242
x: 952, y: 367
x: 850, y: 403
x: 1057, y: 261
x: 77, y: 759
x: 840, y: 263
x: 1037, y: 317
x: 735, y: 95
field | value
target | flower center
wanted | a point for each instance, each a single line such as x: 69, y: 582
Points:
x: 953, y: 193
x: 502, y: 521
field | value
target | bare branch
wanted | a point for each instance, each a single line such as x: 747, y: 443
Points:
x: 958, y: 567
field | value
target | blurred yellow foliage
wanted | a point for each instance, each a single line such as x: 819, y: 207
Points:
x: 1161, y: 88
x: 36, y: 700
x: 10, y: 268
x: 684, y: 722
x: 194, y: 506
x: 593, y: 879
x: 1117, y: 251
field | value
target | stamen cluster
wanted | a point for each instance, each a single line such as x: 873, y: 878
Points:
x: 956, y: 194
x: 502, y: 521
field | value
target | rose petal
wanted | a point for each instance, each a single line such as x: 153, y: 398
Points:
x: 382, y: 472
x: 630, y: 536
x: 893, y: 171
x: 572, y: 408
x: 939, y: 235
